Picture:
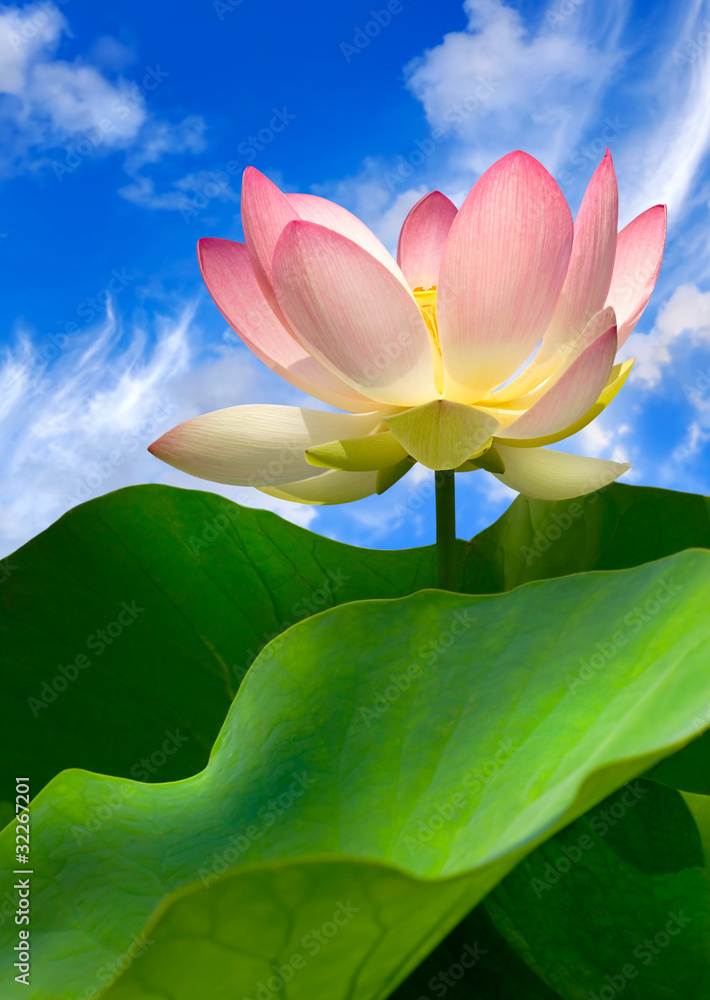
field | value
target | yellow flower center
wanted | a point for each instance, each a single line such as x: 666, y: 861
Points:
x: 426, y: 300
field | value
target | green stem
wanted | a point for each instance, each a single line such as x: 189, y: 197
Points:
x: 445, y: 529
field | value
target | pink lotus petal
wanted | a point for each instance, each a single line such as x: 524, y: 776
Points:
x: 353, y: 315
x: 265, y: 212
x: 639, y: 253
x: 591, y: 262
x: 312, y: 208
x: 256, y: 445
x: 231, y: 282
x: 422, y: 239
x: 537, y: 379
x: 571, y: 396
x: 503, y: 267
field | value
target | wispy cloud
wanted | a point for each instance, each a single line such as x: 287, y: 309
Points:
x: 563, y: 87
x: 663, y: 154
x: 77, y: 427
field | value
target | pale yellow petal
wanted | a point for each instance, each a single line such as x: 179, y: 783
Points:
x: 543, y: 474
x: 328, y: 487
x: 361, y: 454
x: 442, y: 434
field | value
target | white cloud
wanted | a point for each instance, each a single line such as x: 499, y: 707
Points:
x: 189, y: 194
x: 501, y: 85
x: 162, y: 138
x: 496, y: 86
x: 368, y: 196
x: 79, y: 427
x: 54, y: 113
x: 561, y: 85
x: 695, y: 439
x: 660, y: 161
x: 48, y: 101
x: 26, y: 36
x: 686, y: 316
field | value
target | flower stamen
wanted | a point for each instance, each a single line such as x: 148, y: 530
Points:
x: 426, y: 300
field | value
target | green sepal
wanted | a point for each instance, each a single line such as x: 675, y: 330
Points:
x: 362, y: 454
x: 388, y: 477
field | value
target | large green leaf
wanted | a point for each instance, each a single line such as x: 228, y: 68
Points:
x: 421, y: 747
x: 689, y: 769
x: 201, y: 585
x: 614, y: 528
x: 620, y: 901
x: 474, y: 961
x: 97, y: 683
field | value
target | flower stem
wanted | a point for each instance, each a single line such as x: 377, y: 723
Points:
x: 445, y: 529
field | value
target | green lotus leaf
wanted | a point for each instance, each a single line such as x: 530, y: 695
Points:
x: 617, y: 902
x: 130, y: 622
x: 416, y: 765
x: 474, y: 960
x: 614, y: 528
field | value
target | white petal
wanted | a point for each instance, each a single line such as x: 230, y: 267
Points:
x: 543, y: 474
x: 256, y: 445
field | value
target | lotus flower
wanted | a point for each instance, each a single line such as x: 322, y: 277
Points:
x: 424, y: 354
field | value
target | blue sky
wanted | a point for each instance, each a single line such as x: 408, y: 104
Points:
x: 108, y: 337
